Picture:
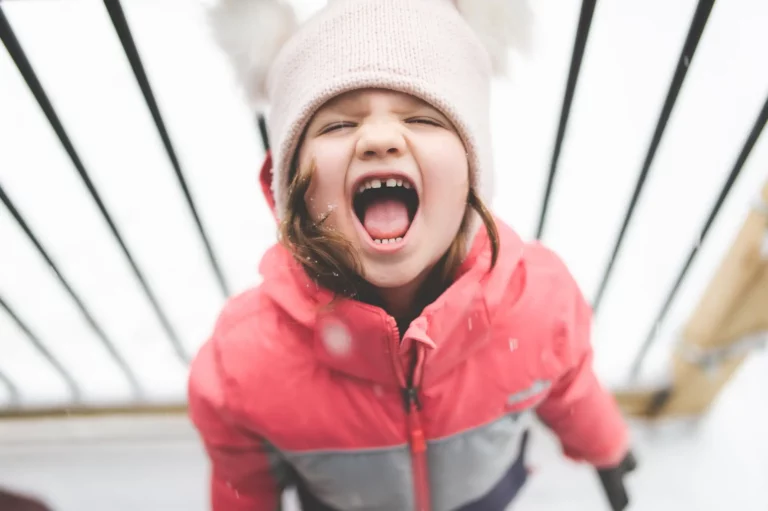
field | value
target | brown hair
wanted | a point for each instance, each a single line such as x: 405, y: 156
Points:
x: 332, y: 261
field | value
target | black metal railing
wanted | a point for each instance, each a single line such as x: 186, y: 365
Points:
x: 122, y: 29
x: 686, y: 56
x: 117, y: 16
x: 69, y: 380
x: 30, y: 77
x: 582, y: 32
x: 26, y: 70
x: 749, y: 144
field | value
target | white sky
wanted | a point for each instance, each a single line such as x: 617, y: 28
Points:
x: 630, y: 57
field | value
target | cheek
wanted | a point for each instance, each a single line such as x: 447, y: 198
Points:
x: 326, y: 191
x: 446, y: 156
x: 446, y: 175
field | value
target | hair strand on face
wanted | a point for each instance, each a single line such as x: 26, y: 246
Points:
x: 327, y: 257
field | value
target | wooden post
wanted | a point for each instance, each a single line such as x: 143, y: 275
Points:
x: 729, y: 319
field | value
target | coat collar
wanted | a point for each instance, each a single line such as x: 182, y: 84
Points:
x: 362, y: 340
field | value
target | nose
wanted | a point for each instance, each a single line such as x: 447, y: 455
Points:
x: 380, y: 140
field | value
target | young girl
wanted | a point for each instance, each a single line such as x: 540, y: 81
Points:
x: 402, y: 336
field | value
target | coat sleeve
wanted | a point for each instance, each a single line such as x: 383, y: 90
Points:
x: 242, y: 469
x: 578, y: 409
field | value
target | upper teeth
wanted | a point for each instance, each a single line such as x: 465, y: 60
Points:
x: 377, y: 183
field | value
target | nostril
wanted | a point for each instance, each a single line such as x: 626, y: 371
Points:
x: 372, y: 153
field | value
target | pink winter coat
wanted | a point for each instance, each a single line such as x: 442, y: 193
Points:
x: 288, y: 392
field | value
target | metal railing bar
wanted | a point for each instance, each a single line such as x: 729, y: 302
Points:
x: 580, y: 43
x: 25, y: 68
x: 89, y: 318
x: 120, y: 24
x: 69, y: 380
x: 749, y: 144
x: 699, y: 21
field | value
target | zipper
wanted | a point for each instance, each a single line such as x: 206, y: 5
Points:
x: 416, y: 440
x: 418, y: 450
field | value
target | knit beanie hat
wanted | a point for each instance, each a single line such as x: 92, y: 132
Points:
x: 442, y: 51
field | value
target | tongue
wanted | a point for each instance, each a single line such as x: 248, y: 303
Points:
x: 386, y: 218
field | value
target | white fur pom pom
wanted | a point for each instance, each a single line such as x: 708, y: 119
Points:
x: 251, y: 33
x: 502, y: 25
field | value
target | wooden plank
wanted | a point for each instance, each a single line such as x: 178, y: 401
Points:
x: 735, y: 276
x: 86, y: 411
x: 734, y: 305
x: 634, y: 403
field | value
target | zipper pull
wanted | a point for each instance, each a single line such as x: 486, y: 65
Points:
x: 418, y: 444
x: 411, y: 399
x: 412, y: 406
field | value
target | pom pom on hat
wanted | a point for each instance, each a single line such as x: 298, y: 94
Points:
x: 252, y: 32
x: 501, y: 25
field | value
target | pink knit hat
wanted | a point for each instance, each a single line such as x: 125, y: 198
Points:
x: 444, y: 52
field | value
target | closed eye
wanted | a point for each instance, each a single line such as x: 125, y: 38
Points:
x: 336, y: 126
x: 424, y: 120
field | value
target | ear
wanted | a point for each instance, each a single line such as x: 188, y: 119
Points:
x: 251, y: 33
x: 265, y: 177
x: 502, y: 25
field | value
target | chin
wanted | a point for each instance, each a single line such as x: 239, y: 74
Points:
x: 389, y: 276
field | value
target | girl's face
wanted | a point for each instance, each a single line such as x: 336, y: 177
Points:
x: 391, y: 175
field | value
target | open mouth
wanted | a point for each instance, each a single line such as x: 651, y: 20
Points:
x: 386, y: 207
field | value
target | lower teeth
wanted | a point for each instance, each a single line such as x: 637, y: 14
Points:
x: 386, y: 242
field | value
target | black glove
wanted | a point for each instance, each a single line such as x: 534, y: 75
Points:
x: 613, y: 482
